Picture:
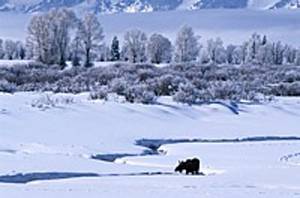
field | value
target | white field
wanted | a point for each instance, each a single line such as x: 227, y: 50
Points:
x: 62, y: 138
x: 233, y: 26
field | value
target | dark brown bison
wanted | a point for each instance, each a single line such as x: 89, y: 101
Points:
x: 190, y: 166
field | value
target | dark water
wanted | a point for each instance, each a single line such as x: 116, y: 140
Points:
x: 29, y: 177
x: 152, y: 145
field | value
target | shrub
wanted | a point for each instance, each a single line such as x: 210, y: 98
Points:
x: 188, y: 83
x: 99, y: 94
x: 140, y: 94
x: 187, y: 93
x: 47, y: 101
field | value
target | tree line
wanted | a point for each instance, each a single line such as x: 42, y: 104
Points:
x: 59, y: 36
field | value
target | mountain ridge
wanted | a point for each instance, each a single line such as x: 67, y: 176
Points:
x: 133, y: 6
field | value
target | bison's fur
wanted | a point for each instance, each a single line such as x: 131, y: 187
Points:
x: 190, y: 166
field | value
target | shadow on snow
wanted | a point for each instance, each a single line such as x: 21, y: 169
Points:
x: 152, y: 145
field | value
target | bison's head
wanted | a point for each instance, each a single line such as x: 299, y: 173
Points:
x: 180, y: 167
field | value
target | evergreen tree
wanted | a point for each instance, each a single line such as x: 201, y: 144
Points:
x: 264, y: 40
x: 115, y: 49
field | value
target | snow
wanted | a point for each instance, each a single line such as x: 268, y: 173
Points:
x: 9, y: 63
x: 261, y: 4
x: 42, y: 138
x: 63, y: 137
x: 24, y: 2
x: 186, y: 5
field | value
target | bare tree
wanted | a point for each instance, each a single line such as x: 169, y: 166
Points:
x: 297, y: 58
x: 159, y: 49
x: 253, y: 46
x: 10, y: 49
x: 20, y: 50
x: 91, y: 34
x: 216, y: 51
x: 76, y: 51
x: 62, y: 21
x: 134, y: 47
x: 187, y: 45
x: 38, y: 38
x: 49, y: 36
x: 1, y: 49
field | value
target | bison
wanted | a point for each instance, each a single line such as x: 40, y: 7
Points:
x: 190, y: 166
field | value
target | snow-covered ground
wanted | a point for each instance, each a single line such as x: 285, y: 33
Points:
x: 234, y: 26
x: 41, y: 137
x: 9, y: 63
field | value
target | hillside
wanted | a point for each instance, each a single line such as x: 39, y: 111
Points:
x: 130, y: 6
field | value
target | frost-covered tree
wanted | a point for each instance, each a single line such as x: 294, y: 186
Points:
x: 187, y: 45
x: 91, y: 34
x: 62, y: 21
x: 38, y: 38
x: 216, y: 51
x: 1, y: 49
x: 289, y: 54
x: 104, y: 53
x: 237, y: 57
x: 159, y: 49
x: 10, y: 49
x: 115, y: 49
x: 265, y: 54
x: 253, y: 47
x: 20, y: 50
x: 49, y: 36
x: 204, y: 56
x: 229, y: 54
x: 297, y: 58
x: 240, y: 54
x: 278, y: 52
x: 134, y: 47
x: 76, y: 51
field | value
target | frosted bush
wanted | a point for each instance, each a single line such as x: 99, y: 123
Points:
x: 99, y: 94
x: 5, y: 86
x: 48, y: 101
x: 188, y: 83
x: 140, y: 94
x: 118, y: 85
x: 187, y: 93
x: 167, y: 85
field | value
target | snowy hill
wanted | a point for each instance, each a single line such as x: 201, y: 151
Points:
x: 115, y: 6
x: 43, y: 144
